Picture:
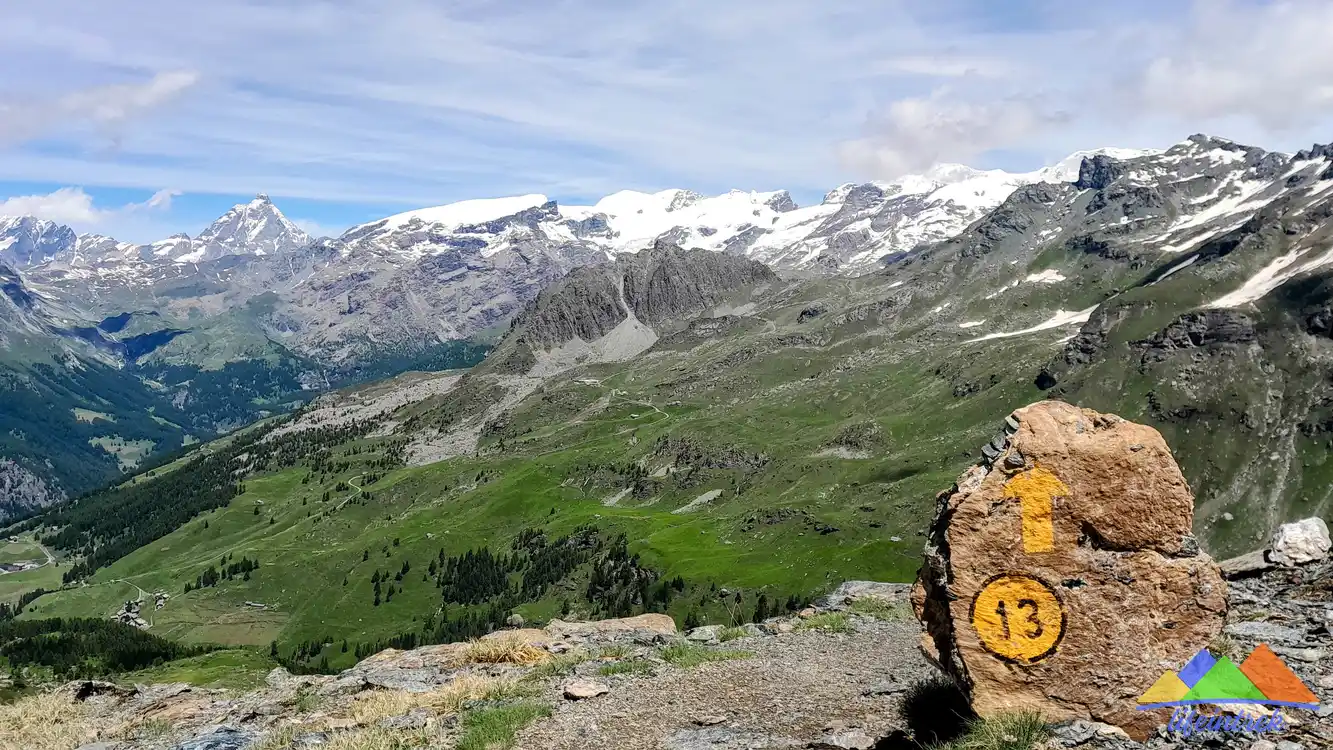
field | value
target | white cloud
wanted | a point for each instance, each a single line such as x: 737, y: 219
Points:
x: 64, y: 206
x: 71, y: 205
x: 420, y: 102
x: 108, y: 105
x: 161, y: 200
x: 914, y: 134
x: 1271, y: 62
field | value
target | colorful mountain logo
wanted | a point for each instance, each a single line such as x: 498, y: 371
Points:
x: 1261, y: 679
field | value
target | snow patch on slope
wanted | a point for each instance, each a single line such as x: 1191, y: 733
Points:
x: 1060, y: 319
x: 1272, y: 276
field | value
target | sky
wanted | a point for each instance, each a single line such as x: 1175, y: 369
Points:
x: 143, y: 118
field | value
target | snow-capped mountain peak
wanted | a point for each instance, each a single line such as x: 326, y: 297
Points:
x: 450, y: 215
x: 27, y: 240
x: 254, y: 228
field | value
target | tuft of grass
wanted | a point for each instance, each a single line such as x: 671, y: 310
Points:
x: 613, y: 651
x: 495, y: 728
x: 153, y: 729
x: 279, y: 739
x: 687, y: 655
x: 1224, y: 645
x: 731, y: 634
x: 560, y: 665
x: 505, y: 651
x: 380, y: 704
x: 50, y: 720
x: 829, y: 622
x: 1015, y: 731
x: 628, y: 666
x: 882, y: 610
x: 307, y: 701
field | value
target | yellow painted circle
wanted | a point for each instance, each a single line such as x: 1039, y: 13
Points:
x: 1018, y: 617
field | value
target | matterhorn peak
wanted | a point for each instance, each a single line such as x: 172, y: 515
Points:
x: 254, y: 228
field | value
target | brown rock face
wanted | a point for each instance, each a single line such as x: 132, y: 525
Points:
x: 1061, y: 575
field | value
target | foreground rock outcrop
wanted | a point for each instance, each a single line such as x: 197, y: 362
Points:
x: 1060, y: 573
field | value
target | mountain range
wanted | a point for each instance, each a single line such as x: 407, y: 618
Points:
x: 761, y: 430
x: 146, y: 348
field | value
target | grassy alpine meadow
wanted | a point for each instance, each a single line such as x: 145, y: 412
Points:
x: 14, y: 585
x: 235, y: 669
x: 765, y: 468
x: 787, y: 511
x: 24, y: 549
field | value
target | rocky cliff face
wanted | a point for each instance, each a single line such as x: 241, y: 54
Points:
x: 22, y: 491
x: 613, y: 312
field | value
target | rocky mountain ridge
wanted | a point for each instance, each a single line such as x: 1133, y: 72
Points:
x: 380, y: 286
x: 1170, y: 262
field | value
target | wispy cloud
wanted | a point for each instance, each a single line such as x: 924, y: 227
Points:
x: 106, y: 106
x: 419, y: 102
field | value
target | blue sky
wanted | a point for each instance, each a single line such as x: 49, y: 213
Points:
x: 142, y: 118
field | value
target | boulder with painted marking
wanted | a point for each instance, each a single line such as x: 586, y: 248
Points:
x: 1060, y: 573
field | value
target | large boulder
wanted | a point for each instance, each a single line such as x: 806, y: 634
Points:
x: 1300, y: 543
x: 649, y: 624
x: 1060, y: 573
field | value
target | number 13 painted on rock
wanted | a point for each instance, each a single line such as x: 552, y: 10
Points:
x: 1018, y: 616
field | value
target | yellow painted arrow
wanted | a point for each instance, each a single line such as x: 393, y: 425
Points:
x: 1036, y: 490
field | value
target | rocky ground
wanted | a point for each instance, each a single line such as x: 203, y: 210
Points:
x: 801, y: 689
x: 847, y: 673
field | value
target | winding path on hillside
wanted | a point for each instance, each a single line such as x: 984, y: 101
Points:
x: 348, y: 499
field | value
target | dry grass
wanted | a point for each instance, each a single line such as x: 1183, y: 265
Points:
x: 505, y: 651
x: 1224, y: 645
x: 376, y: 739
x: 50, y: 721
x: 370, y: 738
x: 381, y: 704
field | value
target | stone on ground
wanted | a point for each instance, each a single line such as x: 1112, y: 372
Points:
x: 577, y: 690
x: 1061, y: 575
x: 1300, y: 543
